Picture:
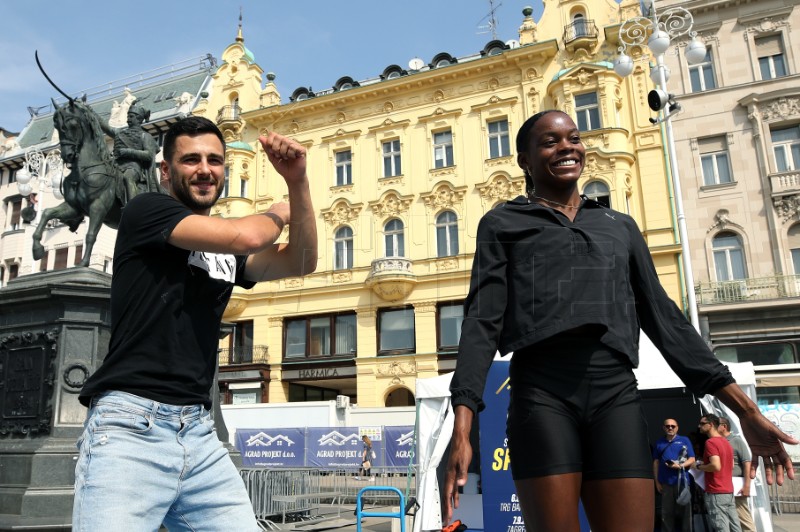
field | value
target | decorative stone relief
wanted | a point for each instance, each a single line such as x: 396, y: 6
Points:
x: 721, y: 220
x: 501, y: 187
x: 396, y: 370
x: 445, y: 265
x: 388, y: 107
x: 781, y: 109
x: 391, y: 204
x: 342, y: 277
x: 293, y: 282
x: 444, y: 195
x: 766, y: 25
x: 787, y: 207
x: 341, y: 212
x: 275, y: 321
x: 594, y: 166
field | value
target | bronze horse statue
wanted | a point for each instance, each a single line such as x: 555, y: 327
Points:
x: 92, y: 187
x: 95, y: 186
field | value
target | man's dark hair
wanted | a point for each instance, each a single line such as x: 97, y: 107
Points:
x: 724, y: 421
x: 714, y: 420
x: 192, y: 126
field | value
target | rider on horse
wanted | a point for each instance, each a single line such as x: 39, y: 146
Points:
x: 134, y: 151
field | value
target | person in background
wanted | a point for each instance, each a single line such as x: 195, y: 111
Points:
x: 672, y: 454
x: 366, y: 460
x: 717, y: 465
x: 149, y: 453
x: 566, y: 284
x: 742, y: 458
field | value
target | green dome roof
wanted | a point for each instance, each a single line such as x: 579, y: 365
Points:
x: 239, y: 145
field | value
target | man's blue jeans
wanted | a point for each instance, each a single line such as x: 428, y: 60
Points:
x: 144, y: 463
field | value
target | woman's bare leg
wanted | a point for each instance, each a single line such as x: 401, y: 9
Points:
x: 619, y: 504
x: 550, y: 504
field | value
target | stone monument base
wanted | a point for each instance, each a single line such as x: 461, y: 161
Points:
x: 54, y: 331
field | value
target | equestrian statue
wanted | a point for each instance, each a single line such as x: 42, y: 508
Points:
x: 98, y: 185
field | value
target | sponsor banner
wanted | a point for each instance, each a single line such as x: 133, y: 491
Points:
x: 398, y: 444
x: 271, y: 447
x: 334, y: 448
x: 500, y: 502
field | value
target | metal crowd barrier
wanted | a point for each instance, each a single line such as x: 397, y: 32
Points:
x: 264, y: 484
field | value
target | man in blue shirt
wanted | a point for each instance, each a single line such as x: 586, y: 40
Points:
x: 672, y: 454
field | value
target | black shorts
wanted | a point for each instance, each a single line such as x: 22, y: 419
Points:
x: 575, y: 408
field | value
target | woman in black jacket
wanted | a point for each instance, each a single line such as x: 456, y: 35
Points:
x: 566, y: 284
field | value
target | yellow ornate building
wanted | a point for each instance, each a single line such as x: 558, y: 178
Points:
x: 402, y: 166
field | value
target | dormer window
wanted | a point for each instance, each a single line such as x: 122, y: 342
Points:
x: 442, y: 60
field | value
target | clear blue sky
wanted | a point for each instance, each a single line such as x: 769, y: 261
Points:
x: 86, y: 43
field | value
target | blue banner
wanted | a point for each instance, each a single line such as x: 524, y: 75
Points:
x: 334, y: 448
x: 500, y: 503
x: 398, y: 442
x: 271, y: 447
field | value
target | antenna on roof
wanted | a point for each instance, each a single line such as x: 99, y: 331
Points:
x: 491, y: 24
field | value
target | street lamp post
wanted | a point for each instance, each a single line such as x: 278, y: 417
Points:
x: 656, y: 31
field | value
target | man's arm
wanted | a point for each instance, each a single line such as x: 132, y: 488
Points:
x: 298, y: 256
x: 714, y: 464
x: 746, y: 473
x: 655, y: 475
x: 237, y: 236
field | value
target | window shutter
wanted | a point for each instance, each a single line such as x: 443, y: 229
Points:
x: 768, y: 46
x: 712, y: 144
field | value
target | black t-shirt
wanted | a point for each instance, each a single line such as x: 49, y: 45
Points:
x: 166, y: 308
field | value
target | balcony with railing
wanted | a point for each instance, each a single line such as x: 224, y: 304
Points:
x: 229, y: 113
x: 785, y: 183
x: 748, y: 290
x: 244, y: 354
x: 581, y: 33
x: 391, y: 278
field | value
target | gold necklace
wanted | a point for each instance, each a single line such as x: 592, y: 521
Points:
x: 555, y: 202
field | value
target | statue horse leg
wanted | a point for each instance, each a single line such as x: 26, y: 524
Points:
x: 98, y: 210
x: 64, y: 212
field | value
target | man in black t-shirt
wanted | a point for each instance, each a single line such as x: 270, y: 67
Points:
x: 149, y: 454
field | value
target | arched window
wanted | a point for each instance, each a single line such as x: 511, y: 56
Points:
x: 343, y: 249
x: 598, y: 191
x: 446, y: 234
x: 394, y: 237
x: 729, y: 257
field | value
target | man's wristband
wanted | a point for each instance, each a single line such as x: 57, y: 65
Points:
x: 277, y: 219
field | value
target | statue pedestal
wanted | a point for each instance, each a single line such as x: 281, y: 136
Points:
x: 54, y: 331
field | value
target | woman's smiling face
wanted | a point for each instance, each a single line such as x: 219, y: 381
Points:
x: 555, y: 155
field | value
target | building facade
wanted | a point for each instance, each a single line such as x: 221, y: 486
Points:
x: 738, y: 144
x: 402, y: 167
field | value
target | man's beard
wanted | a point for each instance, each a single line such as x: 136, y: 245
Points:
x: 182, y: 191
